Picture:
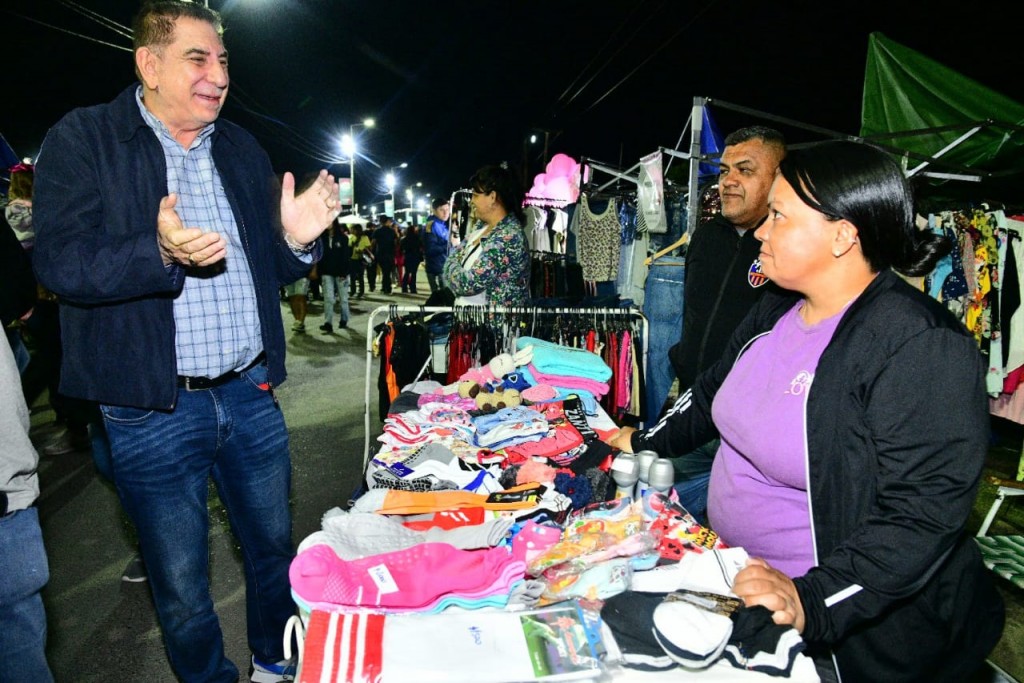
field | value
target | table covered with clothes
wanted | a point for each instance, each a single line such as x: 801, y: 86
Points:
x: 492, y: 544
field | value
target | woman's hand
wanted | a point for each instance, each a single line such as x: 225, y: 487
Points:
x: 760, y: 584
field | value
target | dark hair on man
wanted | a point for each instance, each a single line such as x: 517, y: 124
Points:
x: 768, y: 136
x: 437, y: 202
x: 864, y: 185
x: 153, y: 26
x: 503, y: 181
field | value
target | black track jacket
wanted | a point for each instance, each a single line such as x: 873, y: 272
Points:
x: 896, y: 436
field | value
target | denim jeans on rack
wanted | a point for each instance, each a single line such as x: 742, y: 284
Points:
x: 663, y: 307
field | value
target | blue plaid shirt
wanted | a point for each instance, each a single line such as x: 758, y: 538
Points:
x: 217, y: 328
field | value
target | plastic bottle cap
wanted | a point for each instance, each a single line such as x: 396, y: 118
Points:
x: 625, y: 469
x: 645, y: 458
x: 662, y: 474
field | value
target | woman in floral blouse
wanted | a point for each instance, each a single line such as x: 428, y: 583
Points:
x: 492, y: 265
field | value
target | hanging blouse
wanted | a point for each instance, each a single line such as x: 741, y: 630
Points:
x: 598, y: 248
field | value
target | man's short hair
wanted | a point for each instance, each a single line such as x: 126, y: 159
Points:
x: 153, y: 26
x: 768, y: 136
x: 437, y: 202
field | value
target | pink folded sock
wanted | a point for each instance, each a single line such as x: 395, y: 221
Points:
x: 405, y: 579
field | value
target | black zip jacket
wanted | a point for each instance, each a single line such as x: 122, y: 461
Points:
x: 896, y: 435
x: 717, y: 295
x: 337, y: 258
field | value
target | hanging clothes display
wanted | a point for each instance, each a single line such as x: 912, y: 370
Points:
x: 650, y: 194
x: 478, y: 334
x: 978, y: 281
x: 598, y: 241
x: 403, y: 344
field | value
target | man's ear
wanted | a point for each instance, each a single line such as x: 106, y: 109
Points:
x: 145, y: 62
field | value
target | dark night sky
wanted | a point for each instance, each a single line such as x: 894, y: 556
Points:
x: 455, y: 85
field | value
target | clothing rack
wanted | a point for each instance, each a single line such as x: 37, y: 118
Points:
x: 589, y: 314
x: 604, y: 168
x: 546, y: 201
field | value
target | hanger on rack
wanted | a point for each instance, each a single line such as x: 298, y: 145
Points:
x: 675, y: 245
x: 543, y: 202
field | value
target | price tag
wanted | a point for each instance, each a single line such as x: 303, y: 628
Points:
x: 381, y: 575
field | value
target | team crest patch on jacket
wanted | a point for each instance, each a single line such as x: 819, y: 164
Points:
x: 755, y: 276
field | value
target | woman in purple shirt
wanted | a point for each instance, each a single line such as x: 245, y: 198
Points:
x: 854, y: 428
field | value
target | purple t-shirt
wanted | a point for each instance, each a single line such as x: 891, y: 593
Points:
x: 757, y: 498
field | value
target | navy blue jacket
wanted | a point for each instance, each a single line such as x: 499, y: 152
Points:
x: 99, y: 180
x: 435, y: 244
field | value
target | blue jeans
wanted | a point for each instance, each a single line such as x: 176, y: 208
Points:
x: 663, y: 307
x: 335, y: 286
x: 23, y: 573
x: 234, y: 433
x: 693, y: 495
x: 693, y: 472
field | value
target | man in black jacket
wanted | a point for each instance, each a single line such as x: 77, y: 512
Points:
x: 723, y: 282
x: 334, y: 270
x: 384, y: 240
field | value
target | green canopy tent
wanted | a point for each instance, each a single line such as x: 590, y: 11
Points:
x: 946, y: 125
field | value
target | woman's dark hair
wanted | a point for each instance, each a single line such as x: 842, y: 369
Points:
x: 864, y: 185
x: 503, y: 181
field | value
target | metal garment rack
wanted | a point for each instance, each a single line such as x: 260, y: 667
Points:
x: 589, y: 314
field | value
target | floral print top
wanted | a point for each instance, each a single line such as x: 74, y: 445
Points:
x: 499, y: 265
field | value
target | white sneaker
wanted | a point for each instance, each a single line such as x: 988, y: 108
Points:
x: 298, y: 326
x: 271, y: 673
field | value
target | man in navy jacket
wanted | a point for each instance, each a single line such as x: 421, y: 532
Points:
x: 164, y: 234
x: 436, y: 236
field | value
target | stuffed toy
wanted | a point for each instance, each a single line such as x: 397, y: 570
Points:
x: 498, y: 367
x: 493, y: 401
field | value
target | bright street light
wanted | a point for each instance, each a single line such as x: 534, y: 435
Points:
x: 349, y: 147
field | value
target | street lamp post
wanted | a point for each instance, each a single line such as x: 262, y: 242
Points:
x: 351, y: 151
x: 390, y: 180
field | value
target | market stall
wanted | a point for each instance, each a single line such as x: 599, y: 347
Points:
x: 498, y: 539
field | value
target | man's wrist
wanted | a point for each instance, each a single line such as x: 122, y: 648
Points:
x: 296, y: 247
